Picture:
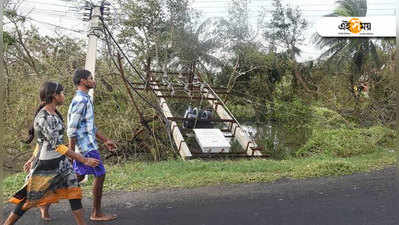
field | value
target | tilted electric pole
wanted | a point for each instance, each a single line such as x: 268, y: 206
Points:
x: 93, y: 14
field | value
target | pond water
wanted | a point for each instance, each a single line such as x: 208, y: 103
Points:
x: 276, y: 138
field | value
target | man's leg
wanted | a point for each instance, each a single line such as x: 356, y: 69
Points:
x: 97, y: 194
x: 96, y: 213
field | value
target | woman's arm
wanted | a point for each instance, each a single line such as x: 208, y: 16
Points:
x: 28, y: 164
x: 92, y: 162
x: 51, y: 135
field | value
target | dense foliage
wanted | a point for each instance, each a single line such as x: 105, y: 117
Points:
x: 342, y: 104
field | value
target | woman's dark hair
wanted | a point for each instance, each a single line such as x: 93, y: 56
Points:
x: 47, y: 90
x: 80, y: 74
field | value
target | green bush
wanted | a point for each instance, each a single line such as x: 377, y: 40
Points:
x: 347, y: 142
x: 327, y: 118
x: 288, y: 129
x: 242, y: 112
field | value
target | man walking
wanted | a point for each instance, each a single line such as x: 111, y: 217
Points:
x: 83, y: 135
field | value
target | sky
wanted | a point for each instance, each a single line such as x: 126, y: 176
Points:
x: 50, y: 16
x: 312, y: 11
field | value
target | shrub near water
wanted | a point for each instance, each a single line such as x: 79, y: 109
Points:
x: 287, y: 127
x: 330, y: 134
x: 347, y: 142
x: 333, y: 135
x: 323, y: 117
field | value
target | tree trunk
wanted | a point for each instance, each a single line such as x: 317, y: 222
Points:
x: 297, y: 76
x: 191, y: 77
x: 355, y: 94
x: 299, y: 79
x: 148, y: 68
x: 7, y: 82
x: 30, y: 60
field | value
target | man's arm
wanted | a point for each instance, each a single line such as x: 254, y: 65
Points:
x: 107, y: 142
x: 70, y: 152
x: 101, y: 137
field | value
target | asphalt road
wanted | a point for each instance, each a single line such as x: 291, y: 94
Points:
x: 359, y: 199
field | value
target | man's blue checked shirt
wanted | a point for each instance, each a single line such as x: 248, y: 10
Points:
x: 81, y: 122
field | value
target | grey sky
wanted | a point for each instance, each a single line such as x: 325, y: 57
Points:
x: 312, y: 11
x: 49, y: 14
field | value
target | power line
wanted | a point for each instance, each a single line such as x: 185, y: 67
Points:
x: 271, y: 10
x: 54, y: 11
x: 50, y: 11
x: 120, y: 49
x: 157, y: 108
x: 57, y: 26
x: 45, y: 3
x: 270, y: 1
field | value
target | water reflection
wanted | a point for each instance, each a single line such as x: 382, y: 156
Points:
x: 278, y: 140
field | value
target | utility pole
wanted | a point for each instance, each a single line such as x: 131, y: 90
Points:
x: 396, y: 76
x: 94, y: 12
x: 2, y: 110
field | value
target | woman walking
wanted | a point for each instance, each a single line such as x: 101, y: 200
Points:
x: 51, y: 177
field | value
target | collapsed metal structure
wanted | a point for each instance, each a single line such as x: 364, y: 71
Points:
x: 232, y: 128
x: 198, y: 90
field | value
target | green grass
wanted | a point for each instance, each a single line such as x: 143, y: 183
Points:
x: 140, y: 176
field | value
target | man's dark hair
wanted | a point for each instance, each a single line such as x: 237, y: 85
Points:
x: 80, y: 74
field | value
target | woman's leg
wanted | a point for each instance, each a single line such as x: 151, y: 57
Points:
x: 44, y: 212
x: 79, y: 218
x: 19, y: 211
x: 77, y: 211
x: 80, y: 177
x: 12, y: 218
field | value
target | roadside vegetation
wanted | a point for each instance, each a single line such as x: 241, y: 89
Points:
x: 332, y: 116
x: 173, y: 174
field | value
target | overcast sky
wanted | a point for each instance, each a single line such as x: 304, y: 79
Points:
x: 46, y: 15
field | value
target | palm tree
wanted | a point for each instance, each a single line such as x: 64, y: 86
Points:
x: 356, y: 51
x: 193, y: 52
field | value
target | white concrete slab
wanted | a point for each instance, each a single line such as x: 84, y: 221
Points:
x: 212, y: 140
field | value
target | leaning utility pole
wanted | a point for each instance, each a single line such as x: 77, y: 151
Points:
x: 93, y: 16
x: 178, y: 138
x: 249, y: 146
x: 396, y: 63
x: 2, y: 110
